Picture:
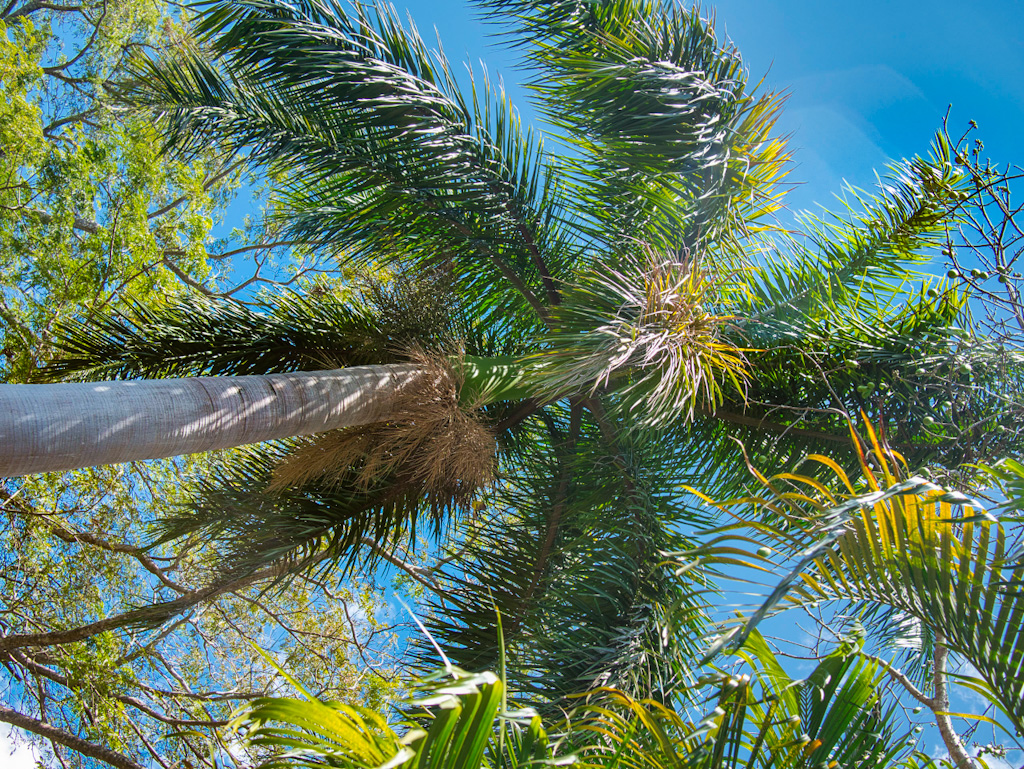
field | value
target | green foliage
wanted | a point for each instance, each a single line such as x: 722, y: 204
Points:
x: 836, y: 717
x: 464, y: 725
x: 635, y: 286
x: 94, y: 221
x: 924, y: 566
x: 635, y: 277
x: 76, y: 233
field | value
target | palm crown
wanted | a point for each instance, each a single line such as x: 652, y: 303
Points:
x: 610, y: 315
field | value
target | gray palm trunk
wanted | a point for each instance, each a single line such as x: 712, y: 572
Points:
x: 66, y: 426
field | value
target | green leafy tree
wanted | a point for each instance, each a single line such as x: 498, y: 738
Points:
x: 93, y: 219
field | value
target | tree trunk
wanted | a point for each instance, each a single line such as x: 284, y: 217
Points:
x: 66, y: 426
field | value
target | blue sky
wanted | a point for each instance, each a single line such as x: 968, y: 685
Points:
x: 868, y: 82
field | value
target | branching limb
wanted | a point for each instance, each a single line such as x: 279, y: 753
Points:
x: 897, y: 676
x: 67, y: 739
x: 136, y: 616
x: 424, y: 576
x: 956, y: 749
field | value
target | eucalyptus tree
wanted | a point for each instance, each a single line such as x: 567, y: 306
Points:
x: 93, y: 219
x: 583, y: 330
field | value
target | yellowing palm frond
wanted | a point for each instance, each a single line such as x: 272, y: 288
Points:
x: 904, y: 543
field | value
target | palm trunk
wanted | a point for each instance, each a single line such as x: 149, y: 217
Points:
x: 66, y: 426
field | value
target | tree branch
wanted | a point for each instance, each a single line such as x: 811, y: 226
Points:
x: 79, y: 223
x: 424, y: 576
x: 40, y: 5
x: 956, y: 749
x: 206, y: 185
x: 67, y: 739
x: 61, y: 530
x: 149, y: 614
x: 901, y: 679
x: 52, y: 675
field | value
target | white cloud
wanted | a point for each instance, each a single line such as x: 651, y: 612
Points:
x: 16, y: 755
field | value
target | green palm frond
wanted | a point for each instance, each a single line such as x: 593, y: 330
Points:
x: 375, y: 322
x: 202, y: 337
x: 575, y: 568
x: 674, y: 151
x: 461, y: 723
x: 643, y: 327
x: 384, y: 152
x: 835, y: 717
x: 855, y: 263
x: 250, y: 527
x: 455, y: 720
x: 916, y: 369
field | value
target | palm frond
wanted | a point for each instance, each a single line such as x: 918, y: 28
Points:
x: 941, y: 395
x: 375, y: 322
x: 459, y: 713
x: 202, y: 337
x: 457, y: 720
x: 251, y: 528
x: 645, y: 325
x: 835, y: 717
x: 675, y: 152
x: 575, y: 569
x: 859, y: 261
x: 385, y: 154
x: 906, y: 544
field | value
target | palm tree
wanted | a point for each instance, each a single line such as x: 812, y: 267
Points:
x: 588, y: 328
x: 63, y: 427
x: 927, y: 571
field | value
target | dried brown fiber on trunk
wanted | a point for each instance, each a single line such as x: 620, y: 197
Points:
x: 430, y: 441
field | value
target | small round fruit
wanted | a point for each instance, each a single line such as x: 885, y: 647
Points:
x: 764, y: 552
x: 952, y: 274
x: 928, y: 421
x: 932, y: 293
x: 966, y: 368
